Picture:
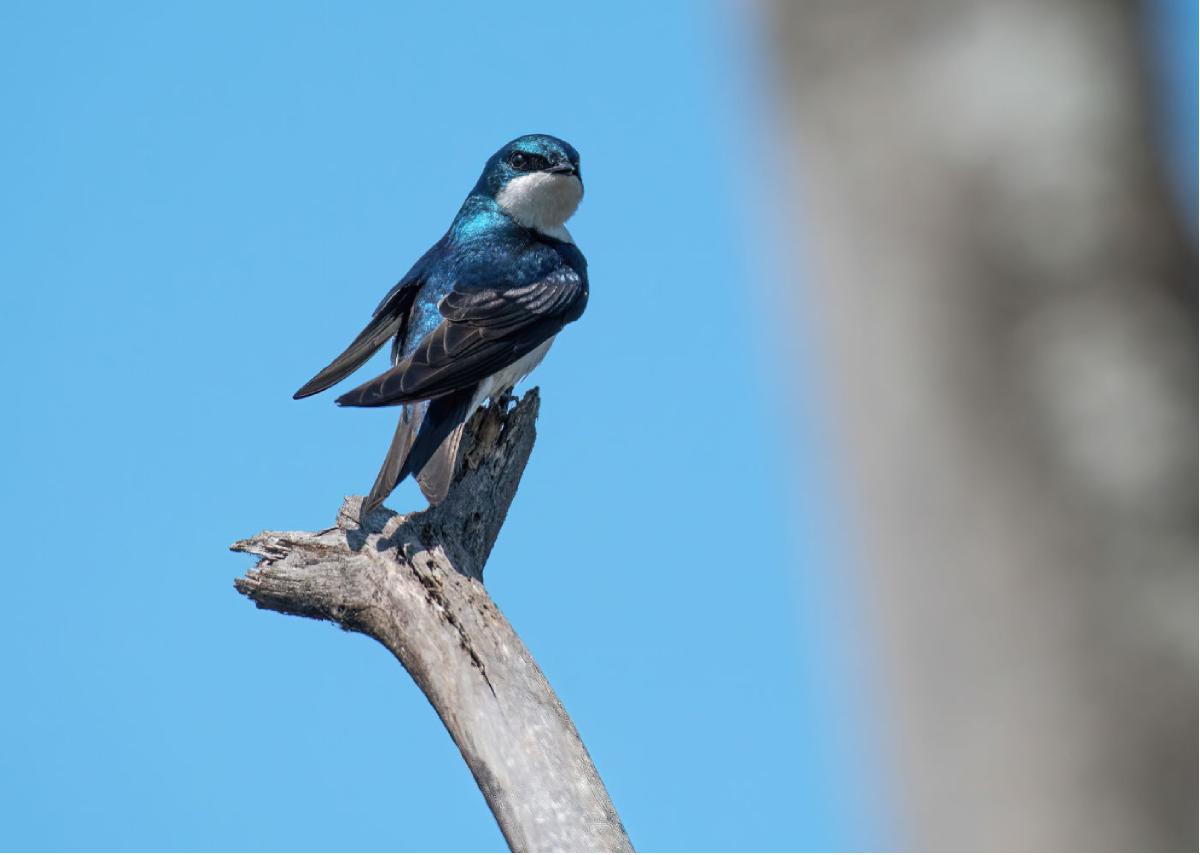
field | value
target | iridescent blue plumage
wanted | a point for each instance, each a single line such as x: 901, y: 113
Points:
x: 476, y: 312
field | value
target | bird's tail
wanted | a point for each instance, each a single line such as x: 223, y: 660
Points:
x: 430, y: 451
x: 435, y: 476
x: 402, y: 442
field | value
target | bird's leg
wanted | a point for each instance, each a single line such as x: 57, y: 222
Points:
x: 504, y: 399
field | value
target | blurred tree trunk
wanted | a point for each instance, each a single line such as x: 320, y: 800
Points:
x: 1006, y: 301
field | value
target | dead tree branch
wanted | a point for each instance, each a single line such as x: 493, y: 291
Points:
x: 414, y: 583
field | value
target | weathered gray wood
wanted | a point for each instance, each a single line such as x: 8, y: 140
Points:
x: 414, y: 583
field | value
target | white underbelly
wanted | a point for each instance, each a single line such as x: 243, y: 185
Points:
x: 511, y: 375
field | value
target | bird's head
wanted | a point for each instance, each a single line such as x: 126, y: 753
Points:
x: 535, y: 180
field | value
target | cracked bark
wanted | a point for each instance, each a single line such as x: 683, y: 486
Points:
x: 415, y: 584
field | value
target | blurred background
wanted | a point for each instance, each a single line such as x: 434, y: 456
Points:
x: 863, y: 509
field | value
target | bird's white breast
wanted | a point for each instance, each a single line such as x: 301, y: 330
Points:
x: 542, y: 201
x: 511, y: 375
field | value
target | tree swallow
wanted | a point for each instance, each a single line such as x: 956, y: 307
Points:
x: 475, y: 314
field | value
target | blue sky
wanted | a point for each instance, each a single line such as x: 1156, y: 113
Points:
x: 1172, y: 33
x: 202, y: 204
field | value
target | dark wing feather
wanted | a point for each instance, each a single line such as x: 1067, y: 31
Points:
x: 497, y: 308
x: 388, y: 321
x: 485, y: 329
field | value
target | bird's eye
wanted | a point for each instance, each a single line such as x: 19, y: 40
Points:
x: 524, y: 161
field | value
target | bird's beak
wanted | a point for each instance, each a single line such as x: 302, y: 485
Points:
x: 565, y: 168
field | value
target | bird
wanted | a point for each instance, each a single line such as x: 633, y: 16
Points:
x: 475, y: 314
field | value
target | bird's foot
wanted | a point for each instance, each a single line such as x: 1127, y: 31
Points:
x: 505, y: 399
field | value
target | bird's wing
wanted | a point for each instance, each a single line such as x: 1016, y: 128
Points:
x: 388, y: 321
x: 484, y: 330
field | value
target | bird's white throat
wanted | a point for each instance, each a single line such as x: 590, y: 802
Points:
x: 542, y: 201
